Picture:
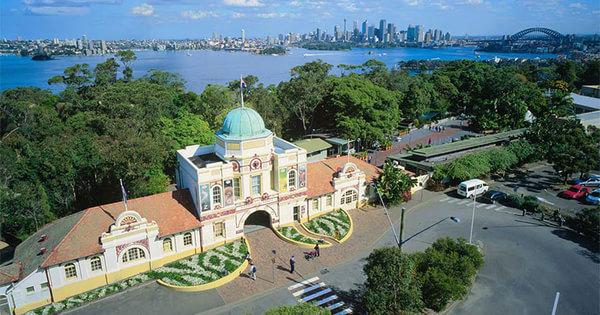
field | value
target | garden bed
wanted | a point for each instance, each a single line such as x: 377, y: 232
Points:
x: 335, y: 224
x: 203, y: 268
x: 293, y: 234
x: 92, y: 295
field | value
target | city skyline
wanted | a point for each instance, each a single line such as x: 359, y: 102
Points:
x: 116, y: 19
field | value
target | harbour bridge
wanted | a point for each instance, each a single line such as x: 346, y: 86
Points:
x: 550, y: 34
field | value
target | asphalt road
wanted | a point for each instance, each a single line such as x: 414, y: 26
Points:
x: 526, y: 263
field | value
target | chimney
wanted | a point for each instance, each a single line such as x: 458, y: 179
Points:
x: 42, y: 251
x: 43, y: 238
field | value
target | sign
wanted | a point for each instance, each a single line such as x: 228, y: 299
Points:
x: 302, y: 176
x: 205, y: 197
x: 283, y: 179
x: 228, y: 192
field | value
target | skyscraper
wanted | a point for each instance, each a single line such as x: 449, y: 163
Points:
x: 420, y: 33
x: 243, y: 38
x: 336, y: 33
x: 318, y: 34
x: 382, y: 26
x: 370, y: 32
x: 365, y: 29
x: 411, y: 34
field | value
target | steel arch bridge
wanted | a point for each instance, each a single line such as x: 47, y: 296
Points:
x: 551, y: 33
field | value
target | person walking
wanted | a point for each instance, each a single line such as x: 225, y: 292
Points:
x: 292, y: 264
x: 318, y: 250
x: 253, y: 271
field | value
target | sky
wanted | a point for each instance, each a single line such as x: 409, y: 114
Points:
x: 179, y: 19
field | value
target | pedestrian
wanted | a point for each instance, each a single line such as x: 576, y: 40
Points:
x: 318, y: 250
x: 292, y: 264
x: 253, y: 271
x: 524, y: 212
x: 561, y: 221
x: 543, y: 212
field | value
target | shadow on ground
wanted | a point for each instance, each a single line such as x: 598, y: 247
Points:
x: 353, y: 297
x: 592, y: 249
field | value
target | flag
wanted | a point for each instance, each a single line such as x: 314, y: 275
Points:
x: 124, y: 193
x: 242, y: 83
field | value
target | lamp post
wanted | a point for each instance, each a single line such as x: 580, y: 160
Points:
x: 389, y: 219
x: 472, y: 220
x: 401, y: 236
x: 273, y: 265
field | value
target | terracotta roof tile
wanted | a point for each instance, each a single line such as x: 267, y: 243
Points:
x: 173, y: 212
x: 10, y: 273
x: 320, y: 173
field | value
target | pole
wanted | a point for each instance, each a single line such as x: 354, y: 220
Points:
x: 472, y: 220
x: 389, y: 219
x: 555, y: 303
x: 401, y: 236
x: 241, y: 90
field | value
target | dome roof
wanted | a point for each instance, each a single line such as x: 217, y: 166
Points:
x: 243, y: 123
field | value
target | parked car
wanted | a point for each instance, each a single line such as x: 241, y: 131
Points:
x: 593, y: 198
x: 492, y: 196
x: 593, y: 178
x: 592, y: 182
x: 472, y: 187
x: 575, y: 192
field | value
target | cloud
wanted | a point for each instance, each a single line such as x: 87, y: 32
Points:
x: 274, y: 15
x: 577, y: 5
x: 55, y: 10
x: 472, y: 2
x: 243, y: 3
x: 63, y: 7
x: 197, y: 15
x: 237, y: 15
x: 143, y: 9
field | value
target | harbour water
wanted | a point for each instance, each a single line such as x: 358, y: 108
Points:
x: 202, y: 67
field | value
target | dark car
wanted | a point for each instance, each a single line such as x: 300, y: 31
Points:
x: 492, y: 196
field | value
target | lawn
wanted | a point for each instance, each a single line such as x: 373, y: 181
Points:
x: 291, y: 233
x: 335, y: 224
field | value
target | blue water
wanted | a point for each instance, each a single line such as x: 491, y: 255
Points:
x: 202, y: 67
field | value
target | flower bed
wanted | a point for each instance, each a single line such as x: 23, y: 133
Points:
x: 335, y: 224
x: 293, y: 234
x: 92, y: 295
x: 203, y: 268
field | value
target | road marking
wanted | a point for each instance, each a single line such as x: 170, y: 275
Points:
x: 490, y: 206
x: 501, y: 208
x: 453, y: 201
x: 462, y: 202
x: 346, y: 311
x: 316, y: 295
x: 336, y: 305
x: 544, y: 200
x: 305, y: 290
x: 327, y: 299
x: 303, y: 283
x: 445, y: 199
x: 479, y: 205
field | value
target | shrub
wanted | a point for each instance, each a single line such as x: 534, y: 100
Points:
x: 515, y: 201
x: 587, y: 222
x: 530, y: 203
x: 298, y: 309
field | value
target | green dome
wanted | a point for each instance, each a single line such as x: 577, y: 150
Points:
x: 243, y: 123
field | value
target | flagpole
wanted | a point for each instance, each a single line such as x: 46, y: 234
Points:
x: 242, y: 90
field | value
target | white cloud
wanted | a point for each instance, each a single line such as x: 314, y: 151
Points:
x: 55, y: 10
x: 243, y: 3
x: 197, y: 15
x: 68, y: 3
x: 274, y: 15
x: 472, y: 2
x: 143, y: 9
x: 237, y: 15
x: 577, y: 5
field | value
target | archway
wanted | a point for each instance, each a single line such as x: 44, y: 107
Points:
x: 257, y: 220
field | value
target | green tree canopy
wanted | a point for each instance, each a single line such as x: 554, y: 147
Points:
x: 393, y: 184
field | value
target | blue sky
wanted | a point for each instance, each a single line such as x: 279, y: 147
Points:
x: 116, y: 19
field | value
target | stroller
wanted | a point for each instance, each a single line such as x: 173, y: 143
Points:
x: 310, y: 255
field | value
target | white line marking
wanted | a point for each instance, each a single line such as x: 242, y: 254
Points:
x: 490, y: 207
x: 336, y: 305
x: 453, y: 201
x: 445, y: 199
x: 316, y: 295
x: 346, y: 311
x: 303, y: 283
x: 501, y: 207
x: 462, y: 202
x: 555, y: 303
x: 479, y: 205
x: 305, y: 290
x: 327, y: 299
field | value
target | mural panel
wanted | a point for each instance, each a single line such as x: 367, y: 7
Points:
x: 302, y: 176
x: 228, y: 192
x: 283, y: 183
x: 204, y: 197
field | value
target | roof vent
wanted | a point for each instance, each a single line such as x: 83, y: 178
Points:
x: 42, y: 251
x: 43, y: 238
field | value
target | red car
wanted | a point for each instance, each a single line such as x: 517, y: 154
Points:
x: 576, y: 192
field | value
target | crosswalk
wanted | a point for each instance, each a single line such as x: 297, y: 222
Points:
x: 469, y: 203
x: 315, y: 291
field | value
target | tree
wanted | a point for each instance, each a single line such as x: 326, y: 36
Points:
x: 76, y: 77
x: 393, y: 184
x: 391, y: 285
x: 183, y: 130
x: 127, y: 57
x: 106, y: 72
x: 305, y: 91
x: 215, y: 102
x: 298, y: 309
x: 567, y: 72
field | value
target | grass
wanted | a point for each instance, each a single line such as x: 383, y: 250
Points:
x: 291, y: 233
x: 335, y: 224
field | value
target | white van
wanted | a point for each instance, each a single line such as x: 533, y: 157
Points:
x: 472, y: 186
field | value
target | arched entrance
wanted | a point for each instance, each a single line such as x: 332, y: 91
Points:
x: 259, y: 219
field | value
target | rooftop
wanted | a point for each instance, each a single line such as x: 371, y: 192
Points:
x: 243, y: 123
x: 202, y: 160
x: 313, y: 145
x: 586, y: 101
x: 321, y: 173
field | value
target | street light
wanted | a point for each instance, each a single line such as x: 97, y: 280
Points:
x: 389, y: 219
x: 472, y: 220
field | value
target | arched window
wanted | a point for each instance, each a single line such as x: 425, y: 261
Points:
x: 216, y: 195
x: 167, y: 245
x: 349, y: 196
x: 292, y: 179
x: 96, y: 263
x: 187, y: 239
x: 70, y: 271
x: 134, y: 253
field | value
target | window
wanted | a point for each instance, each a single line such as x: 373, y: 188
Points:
x: 70, y: 271
x: 329, y: 200
x: 349, y: 196
x: 30, y: 290
x: 216, y: 195
x: 315, y: 204
x: 44, y: 286
x: 219, y: 229
x: 292, y: 179
x: 167, y: 245
x: 256, y: 185
x: 237, y: 188
x: 96, y: 263
x: 134, y: 253
x: 187, y: 239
